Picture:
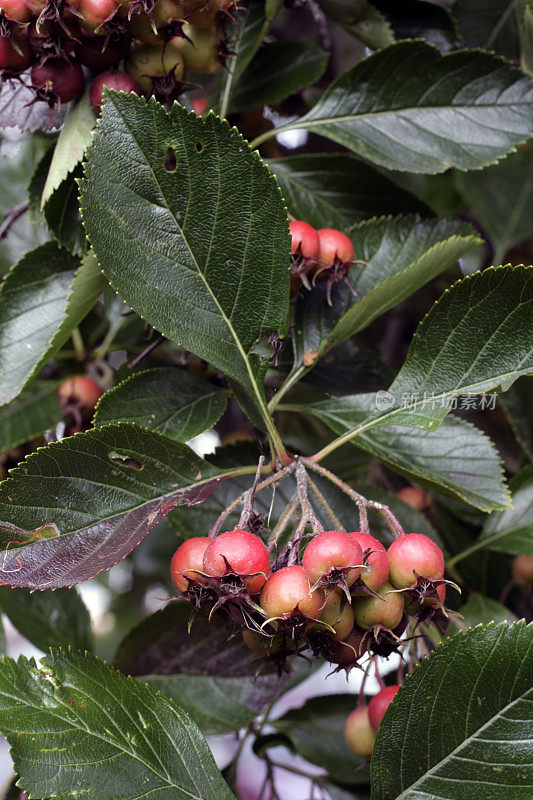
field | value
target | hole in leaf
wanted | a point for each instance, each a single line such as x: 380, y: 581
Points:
x: 199, y: 146
x: 124, y: 461
x: 171, y: 161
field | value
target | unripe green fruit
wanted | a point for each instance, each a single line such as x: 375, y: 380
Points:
x: 338, y: 614
x: 358, y: 733
x: 201, y: 52
x: 385, y: 610
x: 146, y: 62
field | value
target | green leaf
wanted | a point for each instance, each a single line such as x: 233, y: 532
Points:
x: 402, y: 255
x: 337, y: 189
x: 360, y: 19
x: 525, y: 33
x: 457, y: 458
x: 70, y: 148
x: 98, y: 494
x: 517, y: 405
x: 77, y: 726
x: 410, y: 108
x: 481, y: 610
x: 511, y: 531
x: 489, y: 24
x: 278, y: 70
x: 214, y: 678
x: 476, y: 338
x: 501, y: 197
x: 17, y: 162
x: 201, y: 253
x: 48, y: 619
x: 418, y: 19
x: 316, y: 731
x: 460, y: 726
x: 34, y: 411
x: 171, y: 401
x: 42, y: 300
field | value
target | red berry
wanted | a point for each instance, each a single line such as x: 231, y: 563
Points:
x: 239, y: 552
x: 334, y: 246
x: 385, y: 610
x: 376, y: 571
x: 112, y: 79
x: 15, y: 10
x: 414, y: 556
x: 188, y: 557
x: 95, y: 12
x: 338, y: 614
x: 523, y: 571
x: 358, y: 733
x: 416, y: 498
x: 62, y: 80
x: 12, y: 59
x: 379, y: 704
x: 304, y: 239
x: 289, y: 590
x: 79, y: 391
x: 330, y: 552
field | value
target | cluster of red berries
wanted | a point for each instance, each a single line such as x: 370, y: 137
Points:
x: 158, y: 40
x: 323, y: 255
x: 347, y: 596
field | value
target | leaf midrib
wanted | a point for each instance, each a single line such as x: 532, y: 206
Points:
x: 430, y: 772
x: 228, y: 322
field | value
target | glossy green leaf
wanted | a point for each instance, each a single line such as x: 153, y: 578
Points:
x: 337, y: 189
x: 457, y: 458
x: 42, y: 300
x: 517, y: 405
x: 48, y: 619
x: 460, y: 726
x: 278, y: 70
x: 402, y: 254
x: 489, y: 24
x: 502, y: 199
x: 34, y: 411
x: 361, y: 19
x: 214, y: 678
x: 202, y: 253
x: 419, y: 19
x: 77, y: 726
x: 98, y: 494
x: 316, y: 731
x: 480, y: 610
x: 511, y: 531
x: 412, y: 109
x: 70, y: 148
x: 171, y: 401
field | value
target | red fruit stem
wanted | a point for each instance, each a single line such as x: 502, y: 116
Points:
x: 337, y: 525
x: 381, y: 682
x: 249, y: 497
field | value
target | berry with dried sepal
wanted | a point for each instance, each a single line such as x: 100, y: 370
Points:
x: 16, y: 55
x: 58, y: 81
x: 333, y: 558
x: 79, y: 392
x: 288, y: 591
x: 414, y: 556
x: 338, y: 614
x: 238, y: 553
x: 304, y: 252
x: 335, y: 259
